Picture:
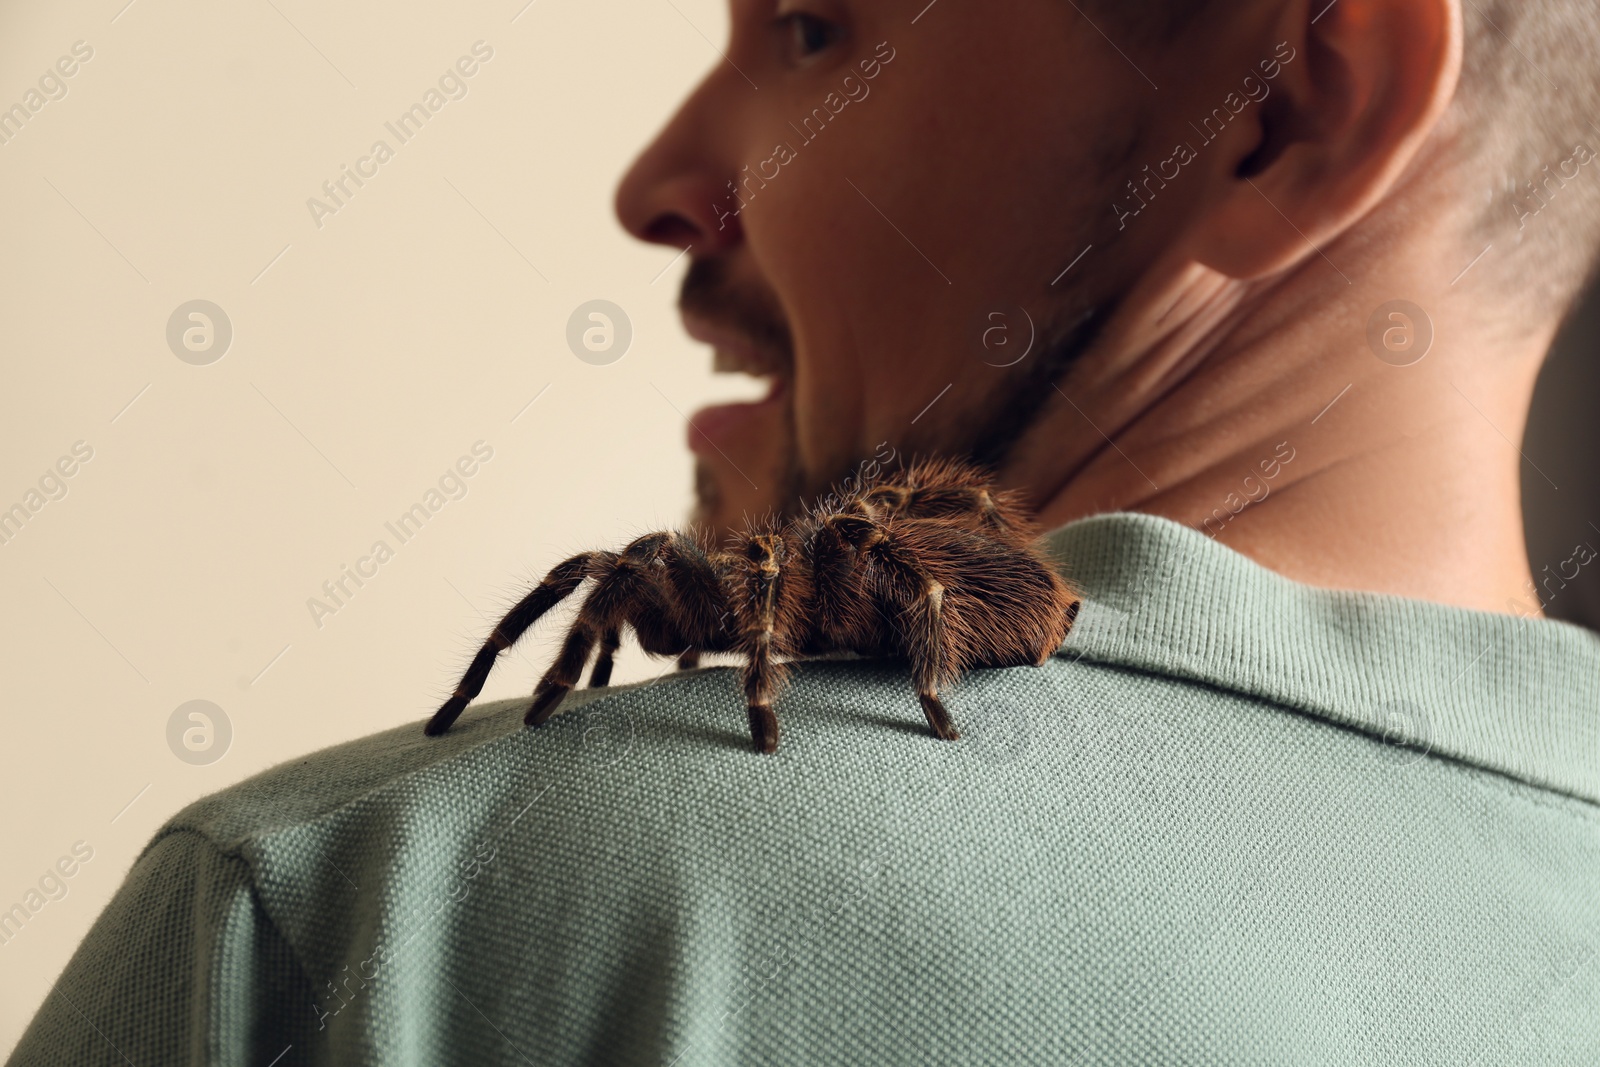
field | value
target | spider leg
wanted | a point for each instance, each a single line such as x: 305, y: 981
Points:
x: 626, y: 591
x: 940, y: 489
x: 925, y: 639
x: 762, y: 673
x: 921, y: 601
x: 760, y: 680
x: 610, y: 641
x: 556, y: 587
x: 564, y: 672
x: 694, y: 599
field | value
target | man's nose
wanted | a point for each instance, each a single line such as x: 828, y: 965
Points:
x: 677, y: 191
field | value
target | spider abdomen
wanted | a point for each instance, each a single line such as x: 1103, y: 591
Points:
x: 1001, y: 606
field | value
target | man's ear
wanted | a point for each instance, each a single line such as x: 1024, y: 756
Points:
x: 1367, y: 84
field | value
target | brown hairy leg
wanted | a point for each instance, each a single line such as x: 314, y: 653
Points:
x: 565, y: 671
x: 624, y: 583
x: 610, y: 641
x: 933, y: 563
x: 762, y: 674
x: 661, y: 585
x: 559, y: 584
x: 918, y: 600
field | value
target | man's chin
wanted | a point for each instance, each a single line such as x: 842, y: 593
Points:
x: 708, y: 512
x: 729, y: 501
x: 748, y: 472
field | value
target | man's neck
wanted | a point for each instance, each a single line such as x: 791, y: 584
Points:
x: 1261, y: 416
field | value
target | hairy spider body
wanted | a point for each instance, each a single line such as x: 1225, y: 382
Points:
x: 931, y: 563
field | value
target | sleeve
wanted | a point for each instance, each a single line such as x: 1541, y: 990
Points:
x: 182, y: 967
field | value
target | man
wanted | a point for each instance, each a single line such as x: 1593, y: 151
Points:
x: 1249, y: 298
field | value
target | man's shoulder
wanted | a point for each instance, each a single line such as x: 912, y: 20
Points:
x: 849, y: 727
x: 647, y: 880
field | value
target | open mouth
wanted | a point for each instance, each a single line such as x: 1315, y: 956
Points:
x: 722, y: 428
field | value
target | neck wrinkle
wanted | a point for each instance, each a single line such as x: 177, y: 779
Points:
x: 1404, y: 479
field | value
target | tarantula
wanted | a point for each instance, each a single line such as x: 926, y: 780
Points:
x: 930, y: 562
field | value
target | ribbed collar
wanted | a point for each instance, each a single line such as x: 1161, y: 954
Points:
x: 1516, y: 696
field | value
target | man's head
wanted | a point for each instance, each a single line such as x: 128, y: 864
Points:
x: 919, y: 219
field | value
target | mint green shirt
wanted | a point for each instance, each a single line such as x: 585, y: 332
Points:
x: 1235, y: 820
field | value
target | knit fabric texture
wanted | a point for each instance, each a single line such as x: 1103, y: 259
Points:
x: 1235, y: 820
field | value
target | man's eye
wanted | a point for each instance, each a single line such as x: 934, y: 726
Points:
x: 805, y: 35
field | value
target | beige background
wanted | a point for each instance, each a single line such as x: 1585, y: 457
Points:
x: 369, y: 357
